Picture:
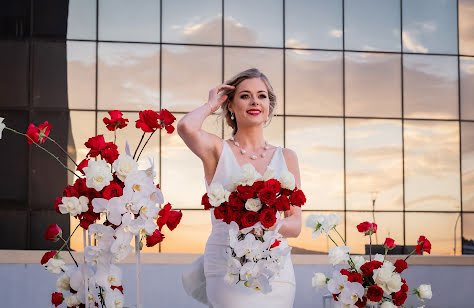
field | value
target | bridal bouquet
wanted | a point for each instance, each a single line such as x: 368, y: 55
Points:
x: 373, y: 283
x: 109, y: 187
x: 252, y: 209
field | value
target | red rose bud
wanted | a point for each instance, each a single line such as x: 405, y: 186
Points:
x: 48, y: 255
x: 148, y: 121
x: 53, y: 233
x: 389, y: 243
x: 400, y: 265
x: 154, y: 239
x: 367, y: 228
x: 57, y: 299
x: 276, y: 243
x: 374, y: 293
x: 116, y: 120
x: 423, y: 245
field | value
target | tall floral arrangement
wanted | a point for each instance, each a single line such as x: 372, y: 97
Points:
x: 376, y: 282
x: 109, y: 186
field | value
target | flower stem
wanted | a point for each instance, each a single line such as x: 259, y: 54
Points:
x: 68, y: 238
x: 370, y: 247
x: 351, y: 263
x: 55, y: 157
x: 62, y: 149
x: 69, y: 250
x: 409, y: 254
x: 343, y: 240
x: 333, y: 240
x: 145, y: 145
x: 138, y: 146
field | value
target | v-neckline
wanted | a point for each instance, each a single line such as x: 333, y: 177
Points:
x: 240, y: 166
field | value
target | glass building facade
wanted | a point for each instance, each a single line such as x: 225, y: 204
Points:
x: 375, y: 97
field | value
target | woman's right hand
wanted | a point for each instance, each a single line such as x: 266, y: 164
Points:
x: 215, y: 99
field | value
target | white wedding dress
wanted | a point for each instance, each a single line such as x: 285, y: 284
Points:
x: 205, y: 280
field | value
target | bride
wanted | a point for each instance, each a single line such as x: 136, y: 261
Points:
x: 247, y: 102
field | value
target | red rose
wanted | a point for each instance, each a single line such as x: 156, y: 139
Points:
x: 112, y: 190
x: 95, y: 144
x: 389, y: 243
x: 249, y: 219
x: 297, y: 197
x: 285, y: 191
x: 267, y: 196
x: 70, y: 191
x: 361, y: 303
x: 53, y: 233
x: 374, y: 293
x: 275, y: 244
x: 120, y: 288
x: 245, y: 192
x: 235, y: 203
x: 237, y: 217
x: 352, y: 277
x: 57, y: 299
x: 205, y: 202
x: 155, y: 238
x: 273, y: 185
x: 110, y: 152
x: 258, y: 185
x: 48, y: 255
x: 168, y: 217
x: 148, y: 121
x: 220, y: 210
x: 57, y: 202
x: 369, y: 267
x: 282, y: 203
x: 399, y: 298
x: 404, y: 287
x: 423, y: 245
x: 116, y: 120
x: 400, y: 265
x: 267, y: 217
x: 82, y: 164
x: 228, y: 214
x: 38, y: 134
x: 367, y: 228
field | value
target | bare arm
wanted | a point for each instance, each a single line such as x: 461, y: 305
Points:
x: 291, y: 224
x: 189, y: 128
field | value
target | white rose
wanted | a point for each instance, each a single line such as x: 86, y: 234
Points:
x: 73, y: 205
x: 269, y: 173
x: 387, y: 279
x: 424, y: 291
x: 217, y: 194
x: 395, y: 283
x: 98, y: 174
x: 72, y: 301
x: 379, y: 257
x: 2, y: 126
x: 62, y: 284
x: 287, y: 180
x: 358, y: 261
x: 248, y: 175
x: 55, y: 266
x: 253, y: 204
x: 387, y: 305
x: 338, y: 254
x: 319, y: 280
x: 124, y: 165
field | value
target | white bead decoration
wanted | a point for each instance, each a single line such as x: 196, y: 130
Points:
x: 253, y: 156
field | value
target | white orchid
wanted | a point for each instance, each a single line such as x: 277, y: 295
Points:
x: 114, y: 298
x: 98, y: 174
x: 74, y: 205
x: 246, y: 246
x: 2, y: 126
x: 337, y: 283
x: 352, y: 292
x: 121, y: 246
x: 114, y: 208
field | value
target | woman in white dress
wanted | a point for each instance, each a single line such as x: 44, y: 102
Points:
x: 247, y: 101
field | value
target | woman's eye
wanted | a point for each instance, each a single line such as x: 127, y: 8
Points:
x: 243, y: 96
x: 263, y: 96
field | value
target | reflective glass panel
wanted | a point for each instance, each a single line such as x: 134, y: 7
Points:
x: 468, y: 234
x: 131, y: 21
x: 198, y: 22
x: 189, y: 73
x: 467, y: 87
x: 388, y: 225
x: 81, y: 66
x: 182, y: 171
x: 374, y: 164
x: 253, y: 23
x: 431, y: 165
x: 466, y: 27
x: 313, y: 24
x: 313, y: 82
x: 318, y: 143
x: 442, y: 230
x: 268, y: 61
x: 81, y: 20
x: 373, y: 84
x: 372, y: 25
x: 430, y: 85
x: 467, y: 146
x: 128, y: 76
x: 306, y: 244
x: 429, y: 26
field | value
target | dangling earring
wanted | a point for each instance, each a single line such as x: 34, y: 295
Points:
x: 232, y: 115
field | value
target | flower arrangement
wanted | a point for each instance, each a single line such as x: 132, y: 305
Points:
x: 375, y: 282
x: 252, y: 209
x: 110, y: 186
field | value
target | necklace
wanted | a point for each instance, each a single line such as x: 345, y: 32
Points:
x: 253, y: 156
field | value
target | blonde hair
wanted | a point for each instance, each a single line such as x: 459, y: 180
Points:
x: 235, y: 81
